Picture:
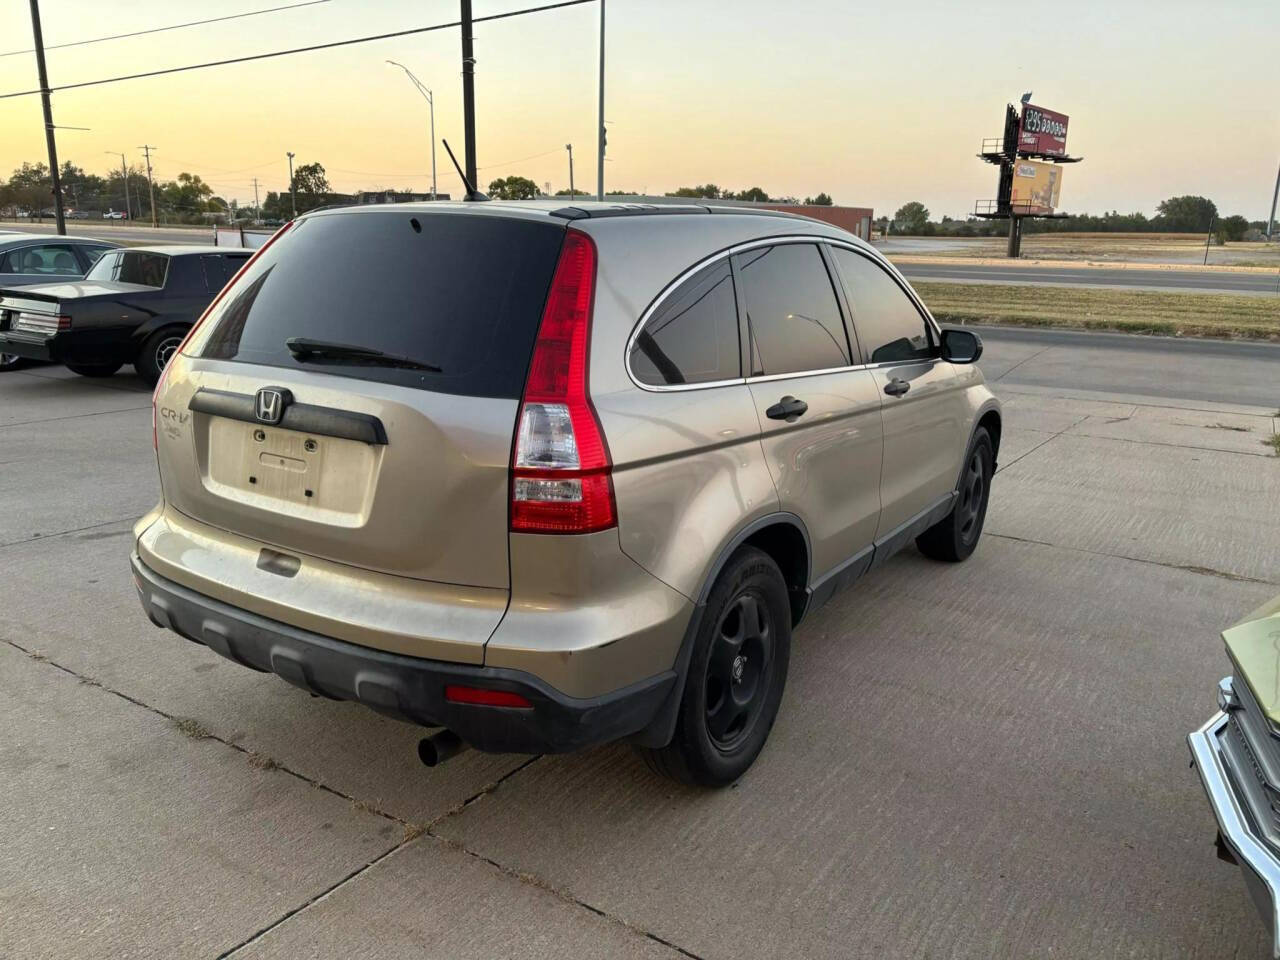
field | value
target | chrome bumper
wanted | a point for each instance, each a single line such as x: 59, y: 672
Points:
x: 1260, y: 866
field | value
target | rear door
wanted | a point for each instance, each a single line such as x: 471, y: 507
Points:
x: 819, y: 419
x: 923, y: 403
x: 397, y: 469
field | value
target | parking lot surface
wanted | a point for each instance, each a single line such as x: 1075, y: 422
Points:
x: 979, y: 760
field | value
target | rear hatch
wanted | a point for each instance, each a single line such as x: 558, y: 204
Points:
x: 272, y: 428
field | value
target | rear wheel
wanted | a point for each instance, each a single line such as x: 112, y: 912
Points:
x: 736, y: 676
x: 955, y: 536
x: 9, y: 361
x: 94, y: 369
x: 157, y: 352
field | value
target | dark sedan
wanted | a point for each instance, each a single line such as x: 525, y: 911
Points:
x: 27, y: 258
x: 134, y: 306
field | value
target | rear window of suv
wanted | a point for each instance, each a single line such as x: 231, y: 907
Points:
x: 459, y: 292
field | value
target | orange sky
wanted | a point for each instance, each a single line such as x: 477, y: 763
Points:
x: 876, y: 104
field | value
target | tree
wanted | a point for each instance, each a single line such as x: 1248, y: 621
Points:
x: 513, y: 188
x: 1233, y: 228
x: 707, y: 191
x: 311, y: 186
x: 821, y: 200
x: 911, y: 217
x: 1186, y: 214
x: 755, y: 194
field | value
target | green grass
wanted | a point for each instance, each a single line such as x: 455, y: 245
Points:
x: 1273, y: 442
x: 1091, y: 308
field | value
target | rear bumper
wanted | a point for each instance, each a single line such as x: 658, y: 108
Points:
x: 405, y: 687
x: 1236, y: 826
x: 83, y: 347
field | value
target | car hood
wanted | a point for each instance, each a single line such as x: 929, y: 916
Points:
x: 76, y: 289
x: 1254, y: 647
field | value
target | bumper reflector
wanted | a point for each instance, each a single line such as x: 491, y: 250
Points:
x: 485, y: 698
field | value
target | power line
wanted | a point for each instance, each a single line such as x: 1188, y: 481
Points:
x: 285, y: 53
x: 176, y: 26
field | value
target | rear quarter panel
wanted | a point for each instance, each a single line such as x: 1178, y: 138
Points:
x: 689, y: 469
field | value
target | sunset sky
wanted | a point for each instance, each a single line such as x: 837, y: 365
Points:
x: 875, y: 103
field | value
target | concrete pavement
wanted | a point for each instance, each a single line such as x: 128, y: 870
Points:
x: 980, y: 760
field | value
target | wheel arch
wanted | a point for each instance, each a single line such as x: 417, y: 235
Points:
x: 784, y: 537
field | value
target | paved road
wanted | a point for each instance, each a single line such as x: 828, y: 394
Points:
x: 1241, y: 373
x: 1216, y: 281
x: 982, y: 760
x: 132, y: 234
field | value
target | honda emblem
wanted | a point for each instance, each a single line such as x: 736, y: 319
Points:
x: 269, y: 404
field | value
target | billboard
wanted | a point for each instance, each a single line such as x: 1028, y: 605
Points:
x: 1036, y: 187
x: 1042, y: 131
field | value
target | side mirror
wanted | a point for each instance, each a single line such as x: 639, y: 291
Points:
x: 961, y: 346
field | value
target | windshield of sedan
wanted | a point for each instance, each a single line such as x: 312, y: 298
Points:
x: 131, y: 266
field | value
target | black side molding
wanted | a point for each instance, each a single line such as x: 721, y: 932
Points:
x: 302, y: 417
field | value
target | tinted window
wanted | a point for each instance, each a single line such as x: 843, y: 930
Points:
x: 45, y: 260
x: 131, y: 266
x: 92, y: 253
x: 889, y: 326
x: 219, y: 268
x: 460, y: 292
x: 693, y: 336
x: 792, y: 310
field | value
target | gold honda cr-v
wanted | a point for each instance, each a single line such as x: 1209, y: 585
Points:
x: 550, y: 476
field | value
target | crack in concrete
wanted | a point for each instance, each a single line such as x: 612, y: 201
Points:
x: 74, y: 416
x: 412, y: 831
x: 1005, y: 466
x: 1022, y: 361
x: 1186, y: 567
x: 63, y: 533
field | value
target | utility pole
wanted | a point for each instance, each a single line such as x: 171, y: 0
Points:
x: 569, y: 147
x: 1271, y: 220
x: 602, y: 135
x: 293, y: 196
x: 48, y: 118
x: 1208, y: 236
x: 468, y: 93
x: 124, y: 172
x: 146, y: 149
x: 257, y: 210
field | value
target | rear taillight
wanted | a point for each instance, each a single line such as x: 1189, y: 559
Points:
x: 155, y: 440
x: 560, y: 470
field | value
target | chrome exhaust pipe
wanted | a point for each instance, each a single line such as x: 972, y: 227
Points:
x: 439, y: 747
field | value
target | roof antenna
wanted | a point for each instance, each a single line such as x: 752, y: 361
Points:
x: 472, y: 192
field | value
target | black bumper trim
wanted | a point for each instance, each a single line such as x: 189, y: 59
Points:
x: 407, y: 688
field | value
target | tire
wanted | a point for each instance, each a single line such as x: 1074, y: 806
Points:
x: 156, y: 353
x: 955, y: 536
x: 9, y: 361
x: 736, y: 676
x: 94, y: 369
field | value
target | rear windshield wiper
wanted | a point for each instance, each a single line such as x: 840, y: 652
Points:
x: 304, y: 349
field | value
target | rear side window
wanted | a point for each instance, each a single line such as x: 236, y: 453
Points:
x: 459, y: 292
x: 131, y: 266
x: 792, y: 311
x: 693, y: 336
x: 890, y: 327
x: 46, y: 260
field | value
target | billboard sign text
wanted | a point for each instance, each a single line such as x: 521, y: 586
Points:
x: 1042, y: 131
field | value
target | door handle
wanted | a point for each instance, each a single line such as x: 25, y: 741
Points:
x: 788, y: 408
x: 896, y: 387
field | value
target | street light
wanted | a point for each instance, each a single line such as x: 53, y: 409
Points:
x: 293, y: 199
x: 422, y: 89
x: 128, y: 213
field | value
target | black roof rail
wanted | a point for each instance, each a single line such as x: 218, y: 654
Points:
x: 627, y: 210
